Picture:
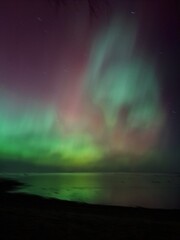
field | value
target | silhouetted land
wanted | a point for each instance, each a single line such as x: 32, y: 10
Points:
x: 25, y: 217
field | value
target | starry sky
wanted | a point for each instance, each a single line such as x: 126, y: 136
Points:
x: 85, y: 88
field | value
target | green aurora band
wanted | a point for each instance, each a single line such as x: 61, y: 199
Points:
x: 116, y: 110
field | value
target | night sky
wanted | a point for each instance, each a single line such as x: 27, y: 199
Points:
x: 85, y: 88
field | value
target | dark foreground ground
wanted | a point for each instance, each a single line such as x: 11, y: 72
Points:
x: 30, y: 217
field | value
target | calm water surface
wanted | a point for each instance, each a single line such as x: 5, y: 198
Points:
x: 125, y: 189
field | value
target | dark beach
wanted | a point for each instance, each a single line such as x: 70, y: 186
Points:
x: 30, y: 217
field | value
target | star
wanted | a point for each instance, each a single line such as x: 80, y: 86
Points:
x: 39, y: 19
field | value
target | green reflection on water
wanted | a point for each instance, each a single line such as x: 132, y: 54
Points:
x: 74, y: 187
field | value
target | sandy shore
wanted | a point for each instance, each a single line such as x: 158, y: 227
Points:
x: 31, y: 217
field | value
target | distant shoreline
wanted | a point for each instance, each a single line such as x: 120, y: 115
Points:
x: 43, y: 173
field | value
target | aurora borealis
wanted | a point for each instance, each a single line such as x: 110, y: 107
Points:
x: 78, y: 92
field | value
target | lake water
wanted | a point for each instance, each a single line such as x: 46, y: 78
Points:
x: 124, y: 189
